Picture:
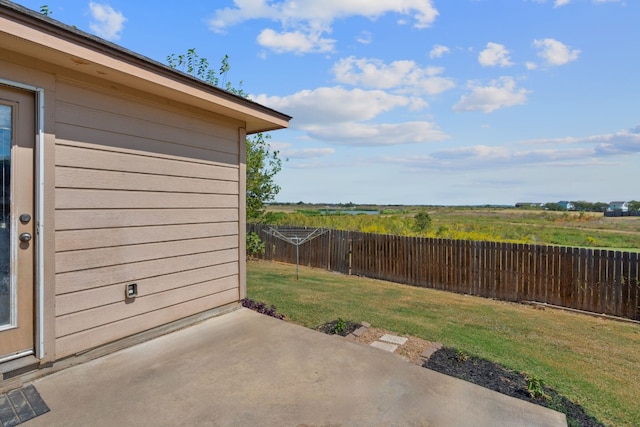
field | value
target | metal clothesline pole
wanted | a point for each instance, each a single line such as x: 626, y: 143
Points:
x: 296, y: 236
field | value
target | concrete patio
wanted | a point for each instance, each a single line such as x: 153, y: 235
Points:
x: 246, y: 369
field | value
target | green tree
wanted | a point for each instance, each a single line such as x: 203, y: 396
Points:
x: 263, y: 162
x: 582, y: 205
x: 634, y: 205
x: 600, y: 206
x: 255, y: 246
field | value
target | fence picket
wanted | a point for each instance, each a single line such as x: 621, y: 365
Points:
x: 634, y: 282
x: 625, y: 293
x: 513, y: 268
x: 576, y: 294
x: 552, y: 293
x: 610, y: 283
x: 598, y: 300
x: 618, y: 282
x: 587, y: 262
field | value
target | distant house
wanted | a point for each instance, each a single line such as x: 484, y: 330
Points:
x: 568, y: 206
x: 618, y: 206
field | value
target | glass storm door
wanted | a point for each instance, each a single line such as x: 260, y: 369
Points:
x: 17, y: 136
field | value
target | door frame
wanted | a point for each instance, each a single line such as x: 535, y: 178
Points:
x: 38, y: 184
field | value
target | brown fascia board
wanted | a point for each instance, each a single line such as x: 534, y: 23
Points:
x: 43, y: 23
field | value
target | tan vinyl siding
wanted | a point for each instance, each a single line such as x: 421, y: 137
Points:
x: 145, y: 194
x: 71, y: 344
x: 76, y: 281
x: 81, y: 300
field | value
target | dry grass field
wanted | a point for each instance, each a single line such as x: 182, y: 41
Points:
x: 579, y: 229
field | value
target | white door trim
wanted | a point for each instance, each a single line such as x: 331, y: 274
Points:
x: 39, y: 214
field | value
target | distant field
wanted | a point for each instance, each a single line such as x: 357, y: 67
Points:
x: 581, y: 229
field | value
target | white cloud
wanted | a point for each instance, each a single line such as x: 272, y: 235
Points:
x: 343, y: 117
x: 564, y: 152
x: 404, y: 76
x: 295, y: 42
x: 487, y: 157
x: 500, y: 93
x: 623, y: 142
x: 531, y: 65
x: 106, y: 22
x: 314, y: 18
x: 554, y: 52
x: 5, y: 118
x: 322, y: 11
x: 559, y: 3
x: 378, y: 134
x: 494, y: 55
x: 438, y: 50
x: 334, y: 105
x: 365, y: 37
x: 288, y: 152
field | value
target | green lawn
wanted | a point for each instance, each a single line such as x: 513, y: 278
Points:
x: 592, y: 361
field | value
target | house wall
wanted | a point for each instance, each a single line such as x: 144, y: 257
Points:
x: 140, y: 179
x: 144, y: 193
x: 137, y: 190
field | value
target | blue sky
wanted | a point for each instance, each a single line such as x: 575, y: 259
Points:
x: 418, y: 101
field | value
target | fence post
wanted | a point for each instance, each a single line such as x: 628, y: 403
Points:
x: 350, y: 252
x: 329, y: 251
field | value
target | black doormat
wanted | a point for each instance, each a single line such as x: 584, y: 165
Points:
x: 20, y: 405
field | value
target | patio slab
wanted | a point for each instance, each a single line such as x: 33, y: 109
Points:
x: 244, y: 368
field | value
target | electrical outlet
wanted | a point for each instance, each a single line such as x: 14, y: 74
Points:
x: 131, y: 290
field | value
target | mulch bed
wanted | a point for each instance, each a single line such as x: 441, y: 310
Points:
x: 490, y: 375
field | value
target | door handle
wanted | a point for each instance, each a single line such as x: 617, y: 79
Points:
x: 25, y: 237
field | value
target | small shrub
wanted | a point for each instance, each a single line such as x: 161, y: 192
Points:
x: 421, y: 222
x: 442, y: 231
x: 535, y: 387
x: 255, y: 246
x: 461, y: 355
x: 340, y: 326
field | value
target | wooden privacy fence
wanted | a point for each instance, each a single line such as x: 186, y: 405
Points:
x: 594, y: 280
